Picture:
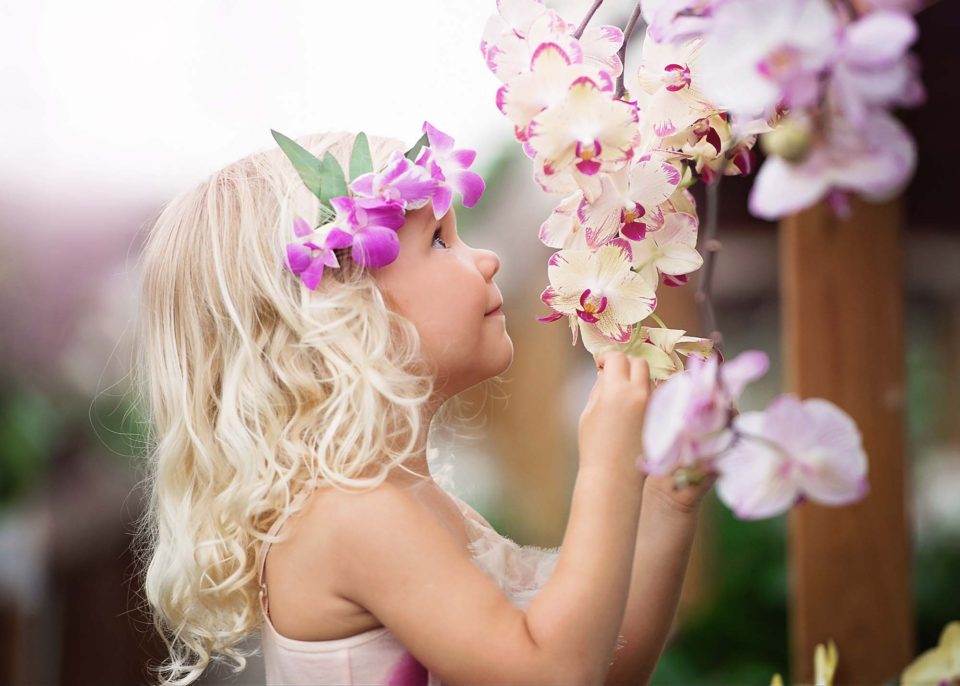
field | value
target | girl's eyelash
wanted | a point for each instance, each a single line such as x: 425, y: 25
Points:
x: 436, y: 237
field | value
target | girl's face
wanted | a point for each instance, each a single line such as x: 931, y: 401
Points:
x: 446, y: 289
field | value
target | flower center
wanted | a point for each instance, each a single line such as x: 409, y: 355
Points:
x: 587, y: 150
x: 633, y: 214
x: 591, y: 305
x: 779, y: 63
x: 677, y: 76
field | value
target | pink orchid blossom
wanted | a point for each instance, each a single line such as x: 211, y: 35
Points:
x: 793, y: 450
x: 873, y: 68
x: 369, y: 226
x: 677, y: 20
x: 758, y: 55
x: 400, y: 180
x: 687, y: 416
x: 448, y: 168
x: 307, y: 259
x: 875, y: 159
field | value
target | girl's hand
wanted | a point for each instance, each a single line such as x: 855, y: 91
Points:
x: 611, y: 425
x: 678, y: 493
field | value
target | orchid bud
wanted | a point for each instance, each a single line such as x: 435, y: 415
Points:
x: 790, y: 140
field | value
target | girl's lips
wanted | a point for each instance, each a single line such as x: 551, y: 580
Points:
x: 494, y: 313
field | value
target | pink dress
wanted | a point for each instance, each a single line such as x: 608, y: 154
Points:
x: 377, y: 656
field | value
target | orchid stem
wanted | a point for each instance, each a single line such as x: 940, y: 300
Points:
x: 657, y: 319
x: 622, y: 53
x: 711, y: 246
x: 586, y: 19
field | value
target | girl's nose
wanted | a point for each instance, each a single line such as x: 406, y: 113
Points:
x: 489, y: 263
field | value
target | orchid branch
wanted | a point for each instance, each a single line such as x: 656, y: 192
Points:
x: 622, y: 53
x: 587, y: 18
x: 711, y: 246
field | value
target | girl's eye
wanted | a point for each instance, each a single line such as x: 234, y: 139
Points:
x: 436, y: 237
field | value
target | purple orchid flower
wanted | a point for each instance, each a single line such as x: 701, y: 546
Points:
x: 687, y: 416
x: 308, y: 259
x: 369, y: 226
x: 794, y: 450
x: 400, y: 180
x: 448, y: 167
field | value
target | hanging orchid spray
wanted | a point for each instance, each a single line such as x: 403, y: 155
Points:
x: 620, y: 144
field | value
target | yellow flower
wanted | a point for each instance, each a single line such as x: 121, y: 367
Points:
x: 940, y: 665
x: 825, y: 663
x: 825, y: 659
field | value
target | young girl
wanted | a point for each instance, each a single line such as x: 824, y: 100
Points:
x: 292, y: 421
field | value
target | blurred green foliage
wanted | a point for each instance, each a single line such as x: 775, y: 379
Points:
x: 739, y: 633
x: 30, y: 426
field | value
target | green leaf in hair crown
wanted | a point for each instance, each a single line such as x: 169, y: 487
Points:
x: 365, y: 214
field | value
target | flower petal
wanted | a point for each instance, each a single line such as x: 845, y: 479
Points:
x: 375, y: 246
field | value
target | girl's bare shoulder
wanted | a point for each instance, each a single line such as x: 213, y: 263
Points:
x: 340, y: 512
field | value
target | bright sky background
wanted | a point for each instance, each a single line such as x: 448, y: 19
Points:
x: 146, y: 98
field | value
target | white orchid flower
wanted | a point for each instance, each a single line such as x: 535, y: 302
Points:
x: 666, y: 87
x: 547, y: 82
x: 562, y: 229
x: 669, y: 247
x: 626, y: 196
x: 588, y: 132
x: 597, y: 289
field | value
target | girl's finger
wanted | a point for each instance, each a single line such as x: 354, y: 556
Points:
x: 639, y: 371
x: 614, y: 363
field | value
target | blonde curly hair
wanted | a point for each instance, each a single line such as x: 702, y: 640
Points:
x: 254, y: 385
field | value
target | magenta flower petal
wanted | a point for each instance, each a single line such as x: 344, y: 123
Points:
x: 343, y: 204
x: 298, y: 257
x: 363, y: 185
x: 301, y: 227
x: 400, y: 181
x: 439, y: 141
x: 312, y: 275
x: 464, y: 157
x: 469, y: 184
x: 329, y: 258
x: 442, y: 198
x: 381, y: 213
x: 375, y: 246
x: 745, y: 368
x: 338, y: 238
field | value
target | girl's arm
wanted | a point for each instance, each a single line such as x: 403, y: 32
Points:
x: 664, y: 540
x: 396, y: 560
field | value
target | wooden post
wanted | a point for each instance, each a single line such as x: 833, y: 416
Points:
x: 842, y: 298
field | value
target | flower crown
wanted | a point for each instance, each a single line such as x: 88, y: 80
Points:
x: 365, y: 214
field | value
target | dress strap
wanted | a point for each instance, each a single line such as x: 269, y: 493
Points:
x: 274, y: 529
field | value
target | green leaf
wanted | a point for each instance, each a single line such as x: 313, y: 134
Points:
x: 360, y: 160
x: 307, y: 165
x: 334, y: 183
x: 412, y: 153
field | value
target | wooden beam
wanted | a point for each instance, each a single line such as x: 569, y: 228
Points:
x: 842, y: 301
